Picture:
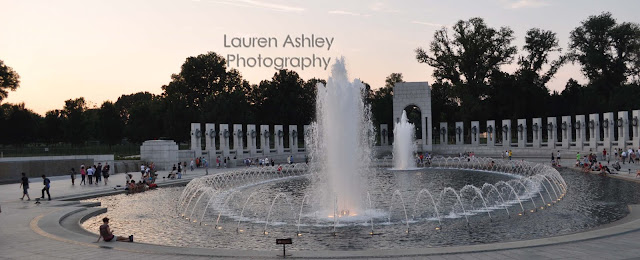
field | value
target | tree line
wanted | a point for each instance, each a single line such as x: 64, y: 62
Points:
x: 470, y: 84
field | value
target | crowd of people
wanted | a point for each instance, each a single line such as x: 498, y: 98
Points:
x: 423, y: 159
x: 592, y: 162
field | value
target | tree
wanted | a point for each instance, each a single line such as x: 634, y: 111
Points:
x: 52, y: 129
x: 539, y: 44
x: 18, y: 125
x: 109, y: 124
x: 286, y: 99
x: 142, y: 115
x: 467, y: 59
x: 382, y: 101
x: 606, y: 50
x: 204, y: 90
x: 528, y: 86
x: 75, y: 122
x: 9, y: 80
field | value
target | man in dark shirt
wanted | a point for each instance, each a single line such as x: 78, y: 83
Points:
x: 98, y: 173
x: 107, y: 235
x: 24, y: 184
x: 47, y: 185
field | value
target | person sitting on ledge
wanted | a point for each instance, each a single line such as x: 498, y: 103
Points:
x: 131, y: 187
x: 107, y: 235
x: 637, y: 173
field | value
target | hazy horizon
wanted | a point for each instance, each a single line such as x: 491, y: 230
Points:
x: 101, y: 50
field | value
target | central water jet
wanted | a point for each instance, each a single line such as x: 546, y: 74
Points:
x: 403, y: 144
x: 340, y: 142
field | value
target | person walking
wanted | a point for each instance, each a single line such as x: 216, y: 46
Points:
x: 105, y: 173
x: 193, y: 164
x: 24, y: 184
x: 510, y: 155
x: 47, y: 185
x: 578, y: 156
x: 73, y: 176
x: 558, y: 156
x: 83, y: 174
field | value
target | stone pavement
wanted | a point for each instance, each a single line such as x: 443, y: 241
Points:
x: 24, y: 233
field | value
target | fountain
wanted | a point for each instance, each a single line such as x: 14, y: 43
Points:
x: 403, y: 144
x: 341, y: 143
x: 345, y: 193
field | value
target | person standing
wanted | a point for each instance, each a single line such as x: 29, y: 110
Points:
x: 83, y: 174
x: 184, y: 167
x: 90, y: 172
x: 193, y: 164
x: 73, y: 176
x: 206, y: 167
x: 604, y: 154
x: 98, y: 173
x: 225, y: 162
x: 179, y: 170
x: 510, y: 154
x: 24, y: 184
x: 47, y: 185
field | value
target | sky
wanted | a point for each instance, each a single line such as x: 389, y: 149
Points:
x: 100, y: 50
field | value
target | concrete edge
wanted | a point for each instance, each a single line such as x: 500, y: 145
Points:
x: 49, y: 225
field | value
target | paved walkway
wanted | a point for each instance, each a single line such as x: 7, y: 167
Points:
x: 22, y: 238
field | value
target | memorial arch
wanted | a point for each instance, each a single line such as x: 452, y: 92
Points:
x: 415, y: 94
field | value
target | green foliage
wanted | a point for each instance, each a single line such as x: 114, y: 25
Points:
x: 467, y: 59
x: 9, y: 80
x: 18, y: 124
x: 607, y: 51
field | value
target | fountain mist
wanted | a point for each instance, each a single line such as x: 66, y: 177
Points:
x: 341, y: 141
x: 403, y: 145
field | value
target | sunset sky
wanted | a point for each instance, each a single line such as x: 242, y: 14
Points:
x: 103, y: 49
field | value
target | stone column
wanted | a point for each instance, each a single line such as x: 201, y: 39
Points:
x: 224, y: 136
x: 594, y: 131
x: 252, y: 137
x: 196, y: 139
x: 384, y: 135
x: 623, y: 129
x: 307, y: 137
x: 521, y: 128
x: 459, y: 133
x: 491, y: 132
x: 537, y: 132
x: 635, y: 123
x: 279, y: 136
x: 427, y: 143
x: 475, y: 133
x: 552, y: 132
x: 265, y: 142
x: 566, y: 127
x: 444, y: 133
x: 210, y: 136
x: 580, y: 126
x: 506, y: 133
x: 238, y: 142
x: 607, y: 127
x: 293, y: 138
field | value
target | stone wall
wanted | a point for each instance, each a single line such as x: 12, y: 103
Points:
x: 12, y: 167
